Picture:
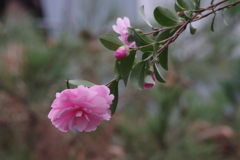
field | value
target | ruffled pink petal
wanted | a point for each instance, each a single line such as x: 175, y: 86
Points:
x: 53, y: 114
x: 81, y: 123
x: 107, y: 115
x: 71, y: 123
x: 66, y: 112
x: 92, y: 124
x: 103, y: 92
x: 62, y: 123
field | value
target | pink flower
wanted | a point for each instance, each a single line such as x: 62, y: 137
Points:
x: 121, y: 28
x: 149, y: 81
x: 122, y: 52
x: 81, y: 107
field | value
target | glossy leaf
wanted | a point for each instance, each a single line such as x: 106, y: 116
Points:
x: 164, y: 35
x: 212, y: 2
x: 141, y: 40
x: 67, y: 83
x: 111, y: 41
x: 78, y: 82
x: 196, y: 3
x: 155, y: 48
x: 163, y: 59
x: 124, y: 66
x: 212, y: 24
x: 223, y: 17
x: 165, y: 17
x: 157, y: 74
x: 142, y: 14
x: 188, y: 14
x: 146, y: 55
x: 125, y: 80
x: 137, y: 75
x: 114, y: 90
x: 192, y: 29
x: 181, y: 5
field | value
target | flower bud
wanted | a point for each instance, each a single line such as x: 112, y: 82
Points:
x: 180, y: 14
x: 149, y: 81
x: 122, y: 52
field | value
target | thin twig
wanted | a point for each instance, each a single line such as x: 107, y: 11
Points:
x: 182, y: 28
x: 162, y: 29
x: 110, y: 82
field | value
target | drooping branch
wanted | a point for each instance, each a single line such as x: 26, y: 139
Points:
x: 183, y: 26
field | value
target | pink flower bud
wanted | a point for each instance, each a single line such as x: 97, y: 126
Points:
x: 149, y: 81
x: 122, y: 52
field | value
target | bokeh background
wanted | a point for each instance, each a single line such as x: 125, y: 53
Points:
x: 194, y: 116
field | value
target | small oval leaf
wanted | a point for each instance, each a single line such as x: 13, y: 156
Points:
x: 212, y: 24
x: 181, y: 5
x: 124, y: 66
x: 111, y: 41
x: 137, y: 75
x: 165, y: 17
x: 114, y: 90
x: 142, y: 40
x: 77, y: 82
x: 192, y: 29
x: 158, y: 74
x: 163, y: 59
x: 142, y: 14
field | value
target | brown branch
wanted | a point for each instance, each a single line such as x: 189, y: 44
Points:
x: 183, y: 27
x: 159, y: 30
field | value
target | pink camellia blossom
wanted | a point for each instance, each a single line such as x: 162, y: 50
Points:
x: 122, y: 52
x: 81, y: 107
x: 149, y: 81
x: 121, y: 28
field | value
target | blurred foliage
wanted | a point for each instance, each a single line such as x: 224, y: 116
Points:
x: 195, y: 115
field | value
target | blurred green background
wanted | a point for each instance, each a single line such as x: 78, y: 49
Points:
x: 194, y: 116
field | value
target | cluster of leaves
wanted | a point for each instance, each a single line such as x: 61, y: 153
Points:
x: 152, y: 46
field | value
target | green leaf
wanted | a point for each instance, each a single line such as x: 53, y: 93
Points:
x: 155, y: 48
x: 136, y: 61
x: 196, y: 3
x: 142, y: 14
x: 192, y: 29
x: 67, y: 83
x: 212, y: 2
x: 146, y: 55
x: 165, y: 17
x: 77, y: 82
x: 125, y: 80
x: 124, y: 66
x: 188, y: 14
x: 142, y: 40
x: 164, y: 35
x: 111, y: 41
x: 158, y: 75
x: 223, y: 17
x: 144, y: 37
x: 163, y: 59
x: 114, y: 90
x: 137, y: 75
x: 181, y: 5
x: 212, y: 24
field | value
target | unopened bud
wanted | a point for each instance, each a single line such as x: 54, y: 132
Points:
x: 149, y: 81
x: 180, y: 14
x: 122, y: 52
